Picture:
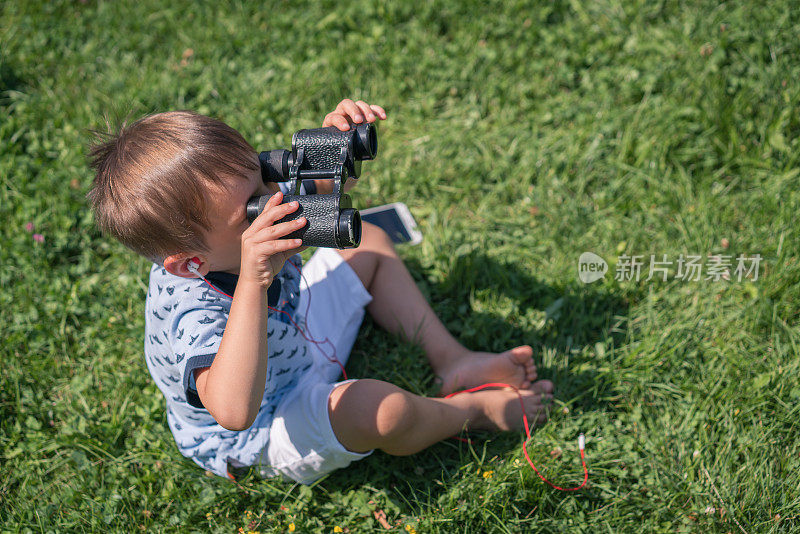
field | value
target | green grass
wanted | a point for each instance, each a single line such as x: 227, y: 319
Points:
x: 520, y: 135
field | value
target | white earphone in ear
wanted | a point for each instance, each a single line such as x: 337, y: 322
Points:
x: 192, y: 266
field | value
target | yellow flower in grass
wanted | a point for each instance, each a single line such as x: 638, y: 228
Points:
x: 337, y: 528
x: 488, y: 474
x: 291, y: 527
x: 410, y: 529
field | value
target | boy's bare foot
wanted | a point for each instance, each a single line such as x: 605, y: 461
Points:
x: 499, y: 409
x: 514, y: 367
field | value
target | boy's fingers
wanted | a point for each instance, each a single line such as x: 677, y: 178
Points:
x: 379, y: 110
x: 277, y: 231
x: 350, y: 109
x: 273, y: 213
x: 343, y: 106
x: 357, y: 112
x: 294, y: 250
x: 336, y: 119
x: 263, y: 218
x: 365, y: 109
x: 273, y: 201
x: 271, y: 248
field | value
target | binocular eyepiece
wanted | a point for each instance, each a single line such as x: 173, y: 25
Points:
x: 320, y: 153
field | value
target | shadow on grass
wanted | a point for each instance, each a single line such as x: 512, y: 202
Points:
x: 568, y: 326
x: 9, y: 81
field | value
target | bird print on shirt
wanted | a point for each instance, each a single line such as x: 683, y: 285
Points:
x: 169, y: 380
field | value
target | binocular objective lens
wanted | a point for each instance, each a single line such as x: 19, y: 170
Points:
x: 349, y: 228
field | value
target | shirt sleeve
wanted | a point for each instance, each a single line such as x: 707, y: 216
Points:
x: 196, y: 338
x: 192, y: 395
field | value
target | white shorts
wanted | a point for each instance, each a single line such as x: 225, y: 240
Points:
x: 302, y: 445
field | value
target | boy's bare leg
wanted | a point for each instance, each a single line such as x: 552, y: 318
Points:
x: 371, y: 414
x: 399, y: 307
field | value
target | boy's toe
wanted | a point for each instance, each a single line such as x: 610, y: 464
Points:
x: 522, y: 354
x: 543, y: 386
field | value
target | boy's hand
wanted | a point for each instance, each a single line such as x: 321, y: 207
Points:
x: 263, y: 252
x: 348, y: 111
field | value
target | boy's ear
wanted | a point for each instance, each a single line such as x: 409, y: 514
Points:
x: 178, y: 264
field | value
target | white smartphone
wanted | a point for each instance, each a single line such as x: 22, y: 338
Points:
x: 396, y: 220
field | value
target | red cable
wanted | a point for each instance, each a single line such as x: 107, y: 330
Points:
x: 332, y: 358
x: 477, y: 388
x: 528, y: 434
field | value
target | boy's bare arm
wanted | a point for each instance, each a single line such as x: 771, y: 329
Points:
x: 238, y: 373
x: 233, y: 387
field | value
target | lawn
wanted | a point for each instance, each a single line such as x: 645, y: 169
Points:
x: 521, y: 135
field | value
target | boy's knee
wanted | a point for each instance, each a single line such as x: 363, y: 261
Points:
x: 395, y: 416
x: 371, y: 413
x: 374, y: 237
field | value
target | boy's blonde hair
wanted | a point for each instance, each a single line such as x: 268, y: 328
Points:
x: 153, y: 177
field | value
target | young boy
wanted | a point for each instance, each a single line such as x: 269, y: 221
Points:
x: 246, y: 345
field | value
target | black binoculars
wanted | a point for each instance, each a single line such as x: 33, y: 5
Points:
x: 320, y: 153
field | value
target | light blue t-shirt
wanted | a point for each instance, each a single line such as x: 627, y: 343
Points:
x: 185, y: 320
